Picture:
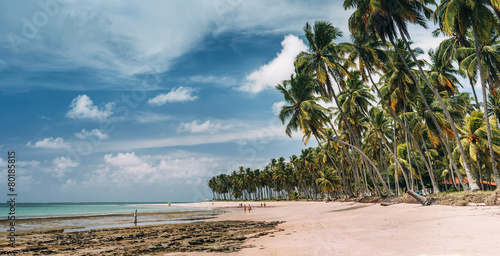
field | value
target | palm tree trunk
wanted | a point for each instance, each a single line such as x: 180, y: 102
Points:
x: 485, y: 105
x: 383, y: 139
x: 473, y: 185
x: 408, y: 149
x: 364, y: 156
x: 455, y: 167
x: 475, y: 95
x: 396, y: 118
x: 396, y: 171
x: 351, y: 131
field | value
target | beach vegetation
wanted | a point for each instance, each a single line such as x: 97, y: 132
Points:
x: 384, y: 116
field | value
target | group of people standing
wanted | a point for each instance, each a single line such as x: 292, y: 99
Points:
x: 250, y: 207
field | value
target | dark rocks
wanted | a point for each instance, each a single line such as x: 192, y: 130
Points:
x: 220, y: 236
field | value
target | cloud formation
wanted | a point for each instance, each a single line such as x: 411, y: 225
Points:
x: 60, y: 166
x: 128, y: 168
x: 82, y: 107
x: 279, y: 69
x: 180, y: 94
x: 49, y: 143
x: 94, y: 133
x: 207, y: 126
x: 277, y: 107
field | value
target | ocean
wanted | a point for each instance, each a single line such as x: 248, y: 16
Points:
x: 45, y: 210
x: 85, y: 216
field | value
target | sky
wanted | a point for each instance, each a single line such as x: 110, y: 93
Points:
x: 123, y: 101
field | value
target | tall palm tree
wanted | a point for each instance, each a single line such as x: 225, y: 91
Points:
x: 306, y: 114
x: 386, y: 19
x: 461, y: 15
x: 325, y: 59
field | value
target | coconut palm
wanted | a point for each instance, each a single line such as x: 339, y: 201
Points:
x: 494, y: 105
x: 475, y: 139
x: 386, y: 19
x: 460, y: 15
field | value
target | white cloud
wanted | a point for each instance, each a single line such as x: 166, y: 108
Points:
x: 123, y: 40
x: 49, y: 143
x: 83, y: 107
x: 128, y: 168
x: 60, y: 166
x: 63, y: 163
x: 180, y: 94
x: 207, y: 126
x: 122, y: 159
x: 94, y: 133
x: 277, y: 107
x: 279, y: 69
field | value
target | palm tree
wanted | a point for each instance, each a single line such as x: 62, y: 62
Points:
x: 461, y: 15
x: 386, y: 19
x: 494, y: 105
x: 475, y: 139
x: 328, y: 182
x: 306, y: 114
x: 299, y: 93
x: 441, y: 73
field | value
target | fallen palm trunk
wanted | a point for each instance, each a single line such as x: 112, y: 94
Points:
x: 389, y: 203
x: 425, y: 201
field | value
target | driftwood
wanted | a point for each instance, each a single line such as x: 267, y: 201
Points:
x: 425, y: 201
x: 389, y: 203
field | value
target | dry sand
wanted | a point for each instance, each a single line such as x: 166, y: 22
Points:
x: 318, y: 228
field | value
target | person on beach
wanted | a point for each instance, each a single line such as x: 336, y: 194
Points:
x: 260, y: 205
x: 249, y: 208
x: 135, y: 217
x: 245, y: 208
x: 264, y: 204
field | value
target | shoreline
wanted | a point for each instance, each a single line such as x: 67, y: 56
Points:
x: 302, y: 228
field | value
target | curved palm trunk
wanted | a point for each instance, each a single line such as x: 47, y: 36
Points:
x: 365, y: 157
x: 485, y: 106
x: 395, y: 116
x: 346, y: 153
x: 384, y: 140
x: 473, y: 185
x: 351, y: 131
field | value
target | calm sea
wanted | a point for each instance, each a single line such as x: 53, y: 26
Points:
x: 44, y: 210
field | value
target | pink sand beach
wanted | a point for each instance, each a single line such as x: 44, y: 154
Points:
x: 319, y: 228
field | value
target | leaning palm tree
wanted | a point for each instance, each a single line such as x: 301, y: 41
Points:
x: 461, y: 15
x: 307, y: 115
x: 388, y: 18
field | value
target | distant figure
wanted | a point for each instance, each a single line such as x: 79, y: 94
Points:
x: 260, y: 205
x: 169, y: 203
x: 245, y: 208
x: 249, y: 208
x: 135, y: 217
x: 264, y: 204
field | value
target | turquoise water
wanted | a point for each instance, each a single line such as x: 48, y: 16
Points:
x: 44, y: 210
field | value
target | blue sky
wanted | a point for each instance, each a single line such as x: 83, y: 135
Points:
x: 146, y: 100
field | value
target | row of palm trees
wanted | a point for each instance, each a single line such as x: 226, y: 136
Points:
x: 397, y: 122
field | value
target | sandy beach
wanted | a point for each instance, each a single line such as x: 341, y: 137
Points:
x: 290, y: 228
x: 318, y: 228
